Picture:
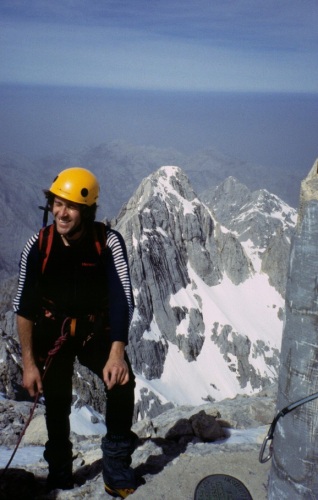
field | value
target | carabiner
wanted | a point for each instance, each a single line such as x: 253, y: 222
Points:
x: 263, y: 459
x: 271, y: 431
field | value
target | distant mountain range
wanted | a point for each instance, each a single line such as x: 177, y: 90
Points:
x: 120, y: 168
x: 208, y: 275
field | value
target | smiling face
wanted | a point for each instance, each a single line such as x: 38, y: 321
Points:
x: 67, y: 216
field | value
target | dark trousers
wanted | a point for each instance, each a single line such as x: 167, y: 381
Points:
x: 57, y: 384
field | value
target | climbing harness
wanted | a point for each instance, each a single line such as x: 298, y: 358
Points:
x: 268, y: 441
x: 57, y: 346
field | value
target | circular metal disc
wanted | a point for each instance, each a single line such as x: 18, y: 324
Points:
x: 221, y: 487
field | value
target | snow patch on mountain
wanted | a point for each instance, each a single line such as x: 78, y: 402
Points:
x: 210, y: 377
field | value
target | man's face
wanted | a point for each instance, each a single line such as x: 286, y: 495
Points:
x: 67, y: 216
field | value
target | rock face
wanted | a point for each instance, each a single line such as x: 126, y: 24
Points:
x: 10, y: 367
x: 10, y: 355
x: 261, y: 222
x: 167, y: 229
x: 295, y: 440
x: 176, y: 246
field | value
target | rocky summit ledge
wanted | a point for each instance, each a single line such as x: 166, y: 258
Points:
x: 176, y: 451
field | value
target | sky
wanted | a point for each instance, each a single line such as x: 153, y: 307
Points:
x: 197, y: 45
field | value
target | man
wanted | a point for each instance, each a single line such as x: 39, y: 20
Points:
x: 74, y: 300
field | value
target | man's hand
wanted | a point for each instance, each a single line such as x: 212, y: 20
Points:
x: 116, y: 369
x: 31, y: 376
x: 32, y: 380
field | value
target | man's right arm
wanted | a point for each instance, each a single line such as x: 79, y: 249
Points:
x: 25, y: 306
x: 31, y: 375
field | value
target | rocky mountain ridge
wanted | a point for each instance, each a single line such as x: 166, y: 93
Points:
x: 261, y: 222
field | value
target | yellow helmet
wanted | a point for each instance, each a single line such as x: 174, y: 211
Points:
x: 76, y: 184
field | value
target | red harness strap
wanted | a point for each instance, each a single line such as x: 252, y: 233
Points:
x: 45, y: 243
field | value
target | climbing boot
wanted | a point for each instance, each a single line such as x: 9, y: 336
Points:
x: 60, y: 460
x: 119, y: 477
x: 61, y: 479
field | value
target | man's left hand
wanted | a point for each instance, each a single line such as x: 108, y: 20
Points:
x: 116, y: 368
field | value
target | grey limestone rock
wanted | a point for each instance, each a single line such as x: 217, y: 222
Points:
x: 295, y: 450
x: 236, y: 349
x: 261, y: 222
x: 234, y: 260
x: 10, y: 367
x: 166, y: 229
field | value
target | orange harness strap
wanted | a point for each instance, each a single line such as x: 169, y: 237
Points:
x: 73, y: 327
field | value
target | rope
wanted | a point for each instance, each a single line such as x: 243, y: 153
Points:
x: 57, y: 346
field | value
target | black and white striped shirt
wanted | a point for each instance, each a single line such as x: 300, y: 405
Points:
x: 76, y: 279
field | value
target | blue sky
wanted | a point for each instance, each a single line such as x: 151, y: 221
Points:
x: 209, y: 45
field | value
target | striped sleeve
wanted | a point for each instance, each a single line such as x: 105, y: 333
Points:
x: 122, y: 302
x: 117, y: 246
x: 27, y: 277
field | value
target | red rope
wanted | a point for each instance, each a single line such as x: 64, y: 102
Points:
x: 57, y: 346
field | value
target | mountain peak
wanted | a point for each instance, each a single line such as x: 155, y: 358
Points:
x: 167, y: 187
x: 189, y: 275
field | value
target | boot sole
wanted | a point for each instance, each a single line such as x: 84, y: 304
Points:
x: 119, y: 492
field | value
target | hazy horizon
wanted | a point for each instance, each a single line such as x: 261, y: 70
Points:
x: 270, y: 129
